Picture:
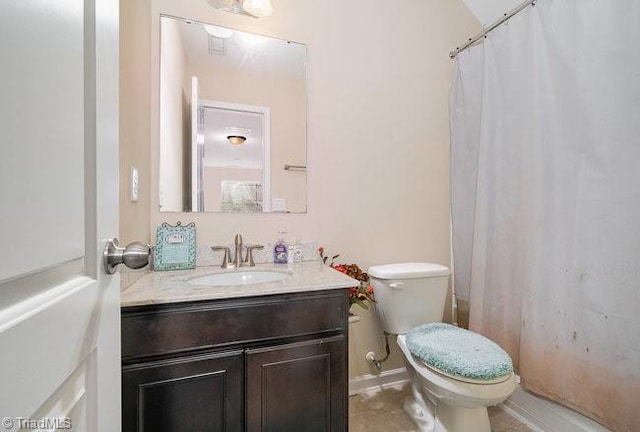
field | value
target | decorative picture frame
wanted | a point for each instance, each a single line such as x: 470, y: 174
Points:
x: 175, y: 247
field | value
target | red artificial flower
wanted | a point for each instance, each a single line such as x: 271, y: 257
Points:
x: 357, y: 295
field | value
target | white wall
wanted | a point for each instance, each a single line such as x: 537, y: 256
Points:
x: 489, y: 11
x: 378, y: 128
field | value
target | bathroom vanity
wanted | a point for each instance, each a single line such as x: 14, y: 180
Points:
x: 267, y: 356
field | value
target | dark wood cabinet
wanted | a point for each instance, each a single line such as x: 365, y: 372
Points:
x: 297, y: 387
x: 192, y: 394
x: 271, y: 363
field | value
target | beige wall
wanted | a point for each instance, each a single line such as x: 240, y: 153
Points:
x: 135, y: 118
x: 489, y: 12
x: 378, y: 146
x: 173, y: 66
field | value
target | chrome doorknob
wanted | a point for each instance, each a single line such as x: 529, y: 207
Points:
x: 135, y: 255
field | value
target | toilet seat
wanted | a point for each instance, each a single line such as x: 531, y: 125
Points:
x: 459, y: 354
x: 463, y: 379
x: 454, y: 389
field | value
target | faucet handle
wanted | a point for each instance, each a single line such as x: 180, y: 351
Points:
x: 227, y: 254
x: 249, y: 256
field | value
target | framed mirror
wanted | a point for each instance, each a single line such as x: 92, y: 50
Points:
x: 233, y: 120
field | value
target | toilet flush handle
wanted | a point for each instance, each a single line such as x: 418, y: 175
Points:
x: 396, y: 285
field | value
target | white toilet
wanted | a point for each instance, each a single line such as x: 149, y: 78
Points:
x: 451, y: 386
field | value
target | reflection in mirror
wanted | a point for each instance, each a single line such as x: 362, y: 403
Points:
x: 232, y: 120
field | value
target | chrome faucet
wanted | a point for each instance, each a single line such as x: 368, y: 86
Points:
x: 238, y: 261
x: 237, y: 257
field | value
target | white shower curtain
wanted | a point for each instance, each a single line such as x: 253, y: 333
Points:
x: 545, y: 118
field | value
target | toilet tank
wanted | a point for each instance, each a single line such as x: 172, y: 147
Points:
x: 409, y: 294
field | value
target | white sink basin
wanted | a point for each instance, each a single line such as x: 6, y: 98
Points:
x: 246, y: 277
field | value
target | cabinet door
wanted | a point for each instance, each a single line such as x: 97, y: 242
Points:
x: 192, y: 394
x: 297, y: 387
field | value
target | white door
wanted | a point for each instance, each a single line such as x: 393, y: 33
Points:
x: 220, y: 119
x: 197, y: 149
x: 59, y: 311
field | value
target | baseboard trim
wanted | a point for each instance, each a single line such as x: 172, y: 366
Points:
x: 543, y: 415
x: 370, y: 382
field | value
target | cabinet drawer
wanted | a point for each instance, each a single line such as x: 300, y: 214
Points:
x: 158, y: 330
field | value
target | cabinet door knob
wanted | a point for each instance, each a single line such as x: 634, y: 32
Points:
x: 135, y: 255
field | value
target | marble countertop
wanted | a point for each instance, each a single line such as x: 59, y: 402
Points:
x: 172, y: 287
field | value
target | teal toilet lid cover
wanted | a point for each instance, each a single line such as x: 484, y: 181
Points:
x: 458, y: 352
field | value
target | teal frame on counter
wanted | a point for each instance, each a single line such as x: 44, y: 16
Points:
x: 175, y: 247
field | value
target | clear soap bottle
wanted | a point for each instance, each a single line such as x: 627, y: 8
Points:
x: 296, y: 252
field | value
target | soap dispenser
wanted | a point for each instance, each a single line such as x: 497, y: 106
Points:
x: 280, y: 250
x: 295, y: 252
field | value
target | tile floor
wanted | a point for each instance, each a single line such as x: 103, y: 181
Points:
x: 382, y: 411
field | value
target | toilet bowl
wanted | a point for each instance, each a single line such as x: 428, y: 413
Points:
x: 449, y: 404
x: 442, y: 400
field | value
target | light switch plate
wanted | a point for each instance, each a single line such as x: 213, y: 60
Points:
x: 134, y: 184
x: 279, y: 205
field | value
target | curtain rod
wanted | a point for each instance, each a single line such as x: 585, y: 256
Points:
x: 507, y: 16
